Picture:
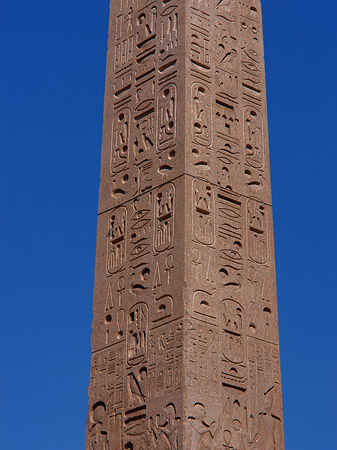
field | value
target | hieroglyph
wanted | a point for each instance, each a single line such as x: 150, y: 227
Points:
x: 185, y: 349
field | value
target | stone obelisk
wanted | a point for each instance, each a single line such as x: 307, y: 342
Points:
x: 185, y: 335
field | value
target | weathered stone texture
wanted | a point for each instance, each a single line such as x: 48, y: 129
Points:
x: 185, y: 335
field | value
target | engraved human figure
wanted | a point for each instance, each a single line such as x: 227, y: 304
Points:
x: 170, y: 425
x: 98, y: 438
x: 203, y: 435
x: 165, y: 430
x: 158, y: 439
x: 269, y: 420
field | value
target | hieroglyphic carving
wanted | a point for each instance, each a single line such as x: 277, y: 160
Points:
x: 137, y: 333
x: 185, y: 345
x: 235, y: 421
x: 120, y: 146
x: 227, y: 59
x: 145, y: 134
x: 249, y: 28
x: 234, y: 369
x: 257, y: 231
x: 146, y: 26
x: 168, y: 32
x: 203, y: 212
x: 265, y: 402
x: 231, y: 240
x: 164, y: 307
x: 203, y: 357
x: 228, y: 161
x: 227, y: 430
x: 262, y: 309
x: 202, y: 114
x: 200, y: 40
x: 167, y: 106
x: 164, y: 429
x: 106, y: 377
x: 164, y: 209
x: 204, y: 268
x: 251, y: 73
x: 137, y: 387
x: 203, y: 433
x: 165, y: 358
x: 250, y: 16
x: 98, y: 430
x: 227, y: 119
x: 114, y: 313
x: 158, y: 433
x: 144, y: 99
x: 124, y: 38
x: 140, y: 233
x: 253, y: 138
x: 204, y: 305
x: 116, y: 253
x: 225, y: 7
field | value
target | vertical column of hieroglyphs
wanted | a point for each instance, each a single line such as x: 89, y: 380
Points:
x: 232, y: 356
x: 135, y: 400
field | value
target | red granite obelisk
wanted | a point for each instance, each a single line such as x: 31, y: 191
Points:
x: 185, y: 347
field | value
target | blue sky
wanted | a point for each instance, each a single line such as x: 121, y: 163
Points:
x: 52, y: 88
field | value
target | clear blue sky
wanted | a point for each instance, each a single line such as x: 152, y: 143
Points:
x: 52, y: 87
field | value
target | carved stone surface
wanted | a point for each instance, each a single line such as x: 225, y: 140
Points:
x: 185, y: 335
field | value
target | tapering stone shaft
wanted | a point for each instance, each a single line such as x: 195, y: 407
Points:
x: 185, y: 335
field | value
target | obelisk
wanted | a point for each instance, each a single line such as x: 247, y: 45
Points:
x: 185, y: 347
